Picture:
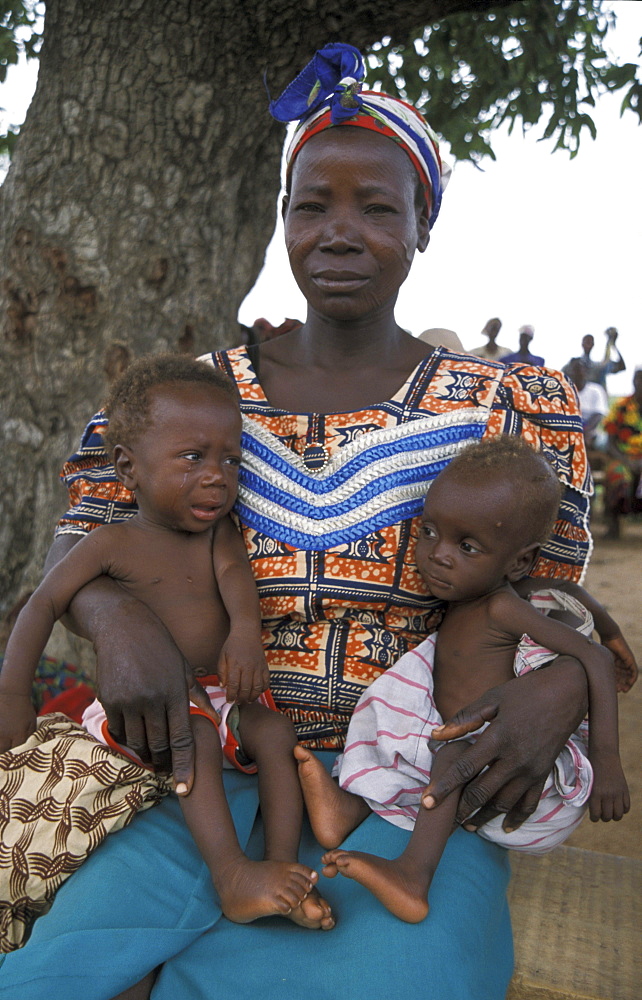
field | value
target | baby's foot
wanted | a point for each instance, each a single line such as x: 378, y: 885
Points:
x: 333, y: 813
x: 313, y: 912
x: 386, y: 880
x: 252, y: 889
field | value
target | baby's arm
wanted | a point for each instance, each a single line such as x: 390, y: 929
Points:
x: 87, y: 560
x: 242, y: 668
x: 626, y: 668
x: 609, y: 796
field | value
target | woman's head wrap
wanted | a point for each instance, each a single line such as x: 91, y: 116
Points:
x: 328, y: 92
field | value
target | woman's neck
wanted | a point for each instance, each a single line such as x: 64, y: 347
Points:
x: 326, y: 367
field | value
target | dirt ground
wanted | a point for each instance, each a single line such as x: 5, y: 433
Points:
x: 615, y: 578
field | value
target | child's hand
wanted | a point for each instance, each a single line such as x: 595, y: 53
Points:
x: 242, y: 669
x: 610, y: 794
x: 17, y: 720
x: 626, y: 669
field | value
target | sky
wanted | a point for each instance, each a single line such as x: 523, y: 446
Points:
x: 533, y: 237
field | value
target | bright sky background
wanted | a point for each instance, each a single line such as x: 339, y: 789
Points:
x: 532, y: 238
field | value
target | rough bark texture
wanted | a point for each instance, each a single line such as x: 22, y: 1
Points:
x: 138, y: 208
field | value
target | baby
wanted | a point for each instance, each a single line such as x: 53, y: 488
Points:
x: 175, y: 434
x: 484, y: 520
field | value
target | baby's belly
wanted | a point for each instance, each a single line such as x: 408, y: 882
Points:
x: 199, y: 636
x: 456, y: 688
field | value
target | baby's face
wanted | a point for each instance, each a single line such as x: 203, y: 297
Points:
x: 468, y: 538
x: 187, y: 459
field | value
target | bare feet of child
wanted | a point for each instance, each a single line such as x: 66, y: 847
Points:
x: 333, y: 813
x: 313, y: 912
x: 252, y: 889
x: 399, y: 892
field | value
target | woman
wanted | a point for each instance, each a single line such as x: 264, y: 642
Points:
x: 347, y: 419
x: 622, y: 493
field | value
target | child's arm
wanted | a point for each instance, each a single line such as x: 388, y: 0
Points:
x: 242, y: 668
x: 32, y: 630
x: 626, y: 668
x: 609, y: 796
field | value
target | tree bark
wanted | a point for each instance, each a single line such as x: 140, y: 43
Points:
x: 138, y: 208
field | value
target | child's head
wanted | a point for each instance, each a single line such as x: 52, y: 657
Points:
x: 486, y: 517
x: 175, y: 434
x: 130, y: 397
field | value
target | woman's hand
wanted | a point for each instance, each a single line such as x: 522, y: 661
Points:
x: 143, y: 684
x: 143, y: 678
x: 242, y: 668
x: 17, y: 720
x: 530, y: 717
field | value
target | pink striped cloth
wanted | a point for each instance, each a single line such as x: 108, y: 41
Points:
x: 387, y: 760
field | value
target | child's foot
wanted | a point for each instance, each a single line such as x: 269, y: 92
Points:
x: 313, y: 912
x: 333, y: 813
x: 252, y: 889
x: 385, y: 880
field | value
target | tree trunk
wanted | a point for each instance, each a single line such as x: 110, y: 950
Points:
x: 138, y: 208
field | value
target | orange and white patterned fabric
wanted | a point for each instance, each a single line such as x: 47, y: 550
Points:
x: 329, y: 505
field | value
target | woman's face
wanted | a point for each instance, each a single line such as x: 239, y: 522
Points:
x: 352, y: 222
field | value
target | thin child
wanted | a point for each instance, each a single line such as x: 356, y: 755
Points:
x: 175, y: 434
x: 484, y: 520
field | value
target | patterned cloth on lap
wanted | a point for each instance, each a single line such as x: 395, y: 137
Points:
x: 61, y: 793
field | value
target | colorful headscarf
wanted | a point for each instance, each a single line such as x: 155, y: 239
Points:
x: 328, y: 92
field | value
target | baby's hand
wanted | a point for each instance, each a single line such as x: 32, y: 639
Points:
x: 610, y: 794
x: 17, y: 720
x: 242, y: 669
x: 626, y: 669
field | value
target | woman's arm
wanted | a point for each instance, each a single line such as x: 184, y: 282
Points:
x: 143, y: 678
x: 242, y: 667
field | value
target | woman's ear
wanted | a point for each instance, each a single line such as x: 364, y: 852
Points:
x: 125, y: 466
x: 284, y: 205
x: 423, y: 229
x: 523, y: 562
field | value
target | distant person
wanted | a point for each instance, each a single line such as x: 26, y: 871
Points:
x: 623, y: 485
x: 523, y: 356
x: 596, y: 371
x: 264, y: 330
x: 437, y: 336
x: 492, y: 351
x: 594, y: 406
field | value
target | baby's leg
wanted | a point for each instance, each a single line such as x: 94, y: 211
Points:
x: 247, y: 889
x: 269, y: 739
x: 333, y: 812
x: 402, y: 884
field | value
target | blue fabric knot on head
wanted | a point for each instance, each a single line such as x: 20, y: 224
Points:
x: 334, y: 73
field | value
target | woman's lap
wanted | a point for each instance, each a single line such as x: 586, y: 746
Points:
x: 104, y: 933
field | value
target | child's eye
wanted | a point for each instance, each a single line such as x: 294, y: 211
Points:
x: 468, y: 547
x: 191, y: 456
x: 233, y: 460
x: 427, y: 531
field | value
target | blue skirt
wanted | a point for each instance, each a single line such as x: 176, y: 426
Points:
x: 145, y: 898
